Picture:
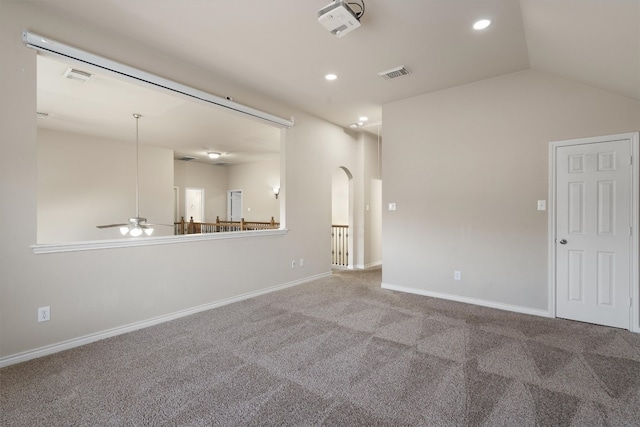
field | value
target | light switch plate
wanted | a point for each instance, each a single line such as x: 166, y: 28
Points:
x: 542, y: 205
x: 392, y: 206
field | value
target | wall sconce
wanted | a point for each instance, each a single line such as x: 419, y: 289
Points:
x: 276, y: 191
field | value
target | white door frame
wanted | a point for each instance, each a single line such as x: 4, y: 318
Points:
x: 635, y: 249
x: 176, y: 200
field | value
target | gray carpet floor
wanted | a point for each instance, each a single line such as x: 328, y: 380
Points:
x: 339, y: 351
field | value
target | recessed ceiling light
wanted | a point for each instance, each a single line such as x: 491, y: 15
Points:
x: 363, y: 118
x: 481, y: 24
x: 330, y: 77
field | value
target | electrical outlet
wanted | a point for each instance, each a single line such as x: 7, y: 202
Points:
x: 293, y: 264
x: 44, y: 314
x: 301, y: 263
x: 457, y: 275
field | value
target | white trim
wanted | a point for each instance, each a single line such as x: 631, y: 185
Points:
x: 634, y: 138
x: 551, y: 233
x: 467, y: 300
x: 176, y: 208
x: 635, y: 238
x: 47, y: 45
x: 87, y: 339
x: 49, y: 248
x: 365, y: 266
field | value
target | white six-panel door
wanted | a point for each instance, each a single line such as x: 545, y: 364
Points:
x: 593, y: 232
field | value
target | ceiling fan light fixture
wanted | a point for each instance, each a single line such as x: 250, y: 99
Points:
x: 137, y: 225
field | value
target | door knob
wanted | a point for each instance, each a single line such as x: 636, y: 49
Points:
x: 563, y: 241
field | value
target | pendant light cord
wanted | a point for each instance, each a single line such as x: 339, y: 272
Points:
x: 137, y: 116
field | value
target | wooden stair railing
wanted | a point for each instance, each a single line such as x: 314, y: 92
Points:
x: 191, y: 227
x: 340, y: 245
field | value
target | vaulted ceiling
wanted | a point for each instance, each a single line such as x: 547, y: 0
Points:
x: 277, y: 47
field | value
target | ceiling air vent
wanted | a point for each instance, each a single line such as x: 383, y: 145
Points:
x: 394, y: 73
x: 186, y: 158
x: 75, y: 74
x: 221, y: 164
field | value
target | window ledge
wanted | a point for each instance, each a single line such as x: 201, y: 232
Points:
x: 49, y: 248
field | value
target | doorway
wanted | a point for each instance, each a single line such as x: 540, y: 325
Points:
x: 194, y: 204
x: 234, y: 205
x: 341, y: 218
x: 594, y: 249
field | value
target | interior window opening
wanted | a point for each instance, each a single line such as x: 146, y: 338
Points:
x: 102, y: 170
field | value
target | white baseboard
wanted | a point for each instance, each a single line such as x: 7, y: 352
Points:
x: 467, y: 300
x: 87, y: 339
x: 365, y: 266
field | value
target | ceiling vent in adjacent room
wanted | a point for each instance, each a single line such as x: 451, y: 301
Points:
x: 186, y: 158
x: 394, y: 73
x: 75, y: 74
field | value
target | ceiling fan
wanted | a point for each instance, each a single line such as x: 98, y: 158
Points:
x: 137, y: 224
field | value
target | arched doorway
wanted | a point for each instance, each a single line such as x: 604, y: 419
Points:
x: 342, y: 218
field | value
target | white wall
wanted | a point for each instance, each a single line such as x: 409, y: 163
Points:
x: 95, y: 291
x: 372, y: 192
x: 256, y: 180
x: 84, y: 181
x: 466, y: 167
x: 340, y: 197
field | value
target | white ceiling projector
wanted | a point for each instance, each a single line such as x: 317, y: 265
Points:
x: 338, y: 18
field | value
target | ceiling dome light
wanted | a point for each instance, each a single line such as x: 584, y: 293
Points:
x: 330, y: 77
x: 481, y: 24
x: 213, y: 155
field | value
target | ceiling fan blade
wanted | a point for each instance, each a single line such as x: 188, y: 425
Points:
x: 110, y: 225
x: 164, y: 225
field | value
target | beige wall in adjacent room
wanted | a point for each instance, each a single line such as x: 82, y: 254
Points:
x: 466, y: 166
x: 84, y: 181
x: 256, y: 180
x: 213, y: 179
x: 340, y: 197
